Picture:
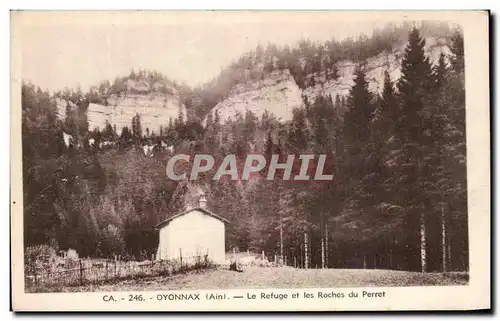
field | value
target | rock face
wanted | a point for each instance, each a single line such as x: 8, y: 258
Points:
x: 154, y: 104
x: 279, y: 94
x: 155, y: 109
x: 375, y: 68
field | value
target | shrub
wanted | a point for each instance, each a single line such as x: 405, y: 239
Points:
x: 39, y: 258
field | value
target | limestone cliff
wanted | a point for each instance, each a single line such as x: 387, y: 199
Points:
x: 374, y: 68
x: 155, y: 104
x: 278, y: 92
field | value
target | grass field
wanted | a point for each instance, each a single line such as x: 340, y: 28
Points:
x: 285, y: 277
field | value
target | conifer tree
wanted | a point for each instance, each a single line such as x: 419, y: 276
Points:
x: 249, y: 127
x: 388, y: 112
x: 211, y: 139
x: 298, y: 135
x: 125, y: 136
x: 450, y: 166
x: 439, y: 71
x: 414, y: 87
x: 108, y: 131
x: 269, y: 146
x: 355, y: 160
x: 136, y: 127
x: 356, y: 127
x: 457, y: 50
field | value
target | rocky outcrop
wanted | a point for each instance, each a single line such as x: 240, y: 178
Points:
x: 279, y: 94
x: 155, y: 109
x: 154, y: 104
x: 374, y: 67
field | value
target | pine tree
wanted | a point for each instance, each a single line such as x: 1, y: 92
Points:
x: 125, y: 136
x: 437, y: 171
x: 414, y: 87
x: 108, y: 131
x: 44, y: 165
x: 449, y: 162
x: 264, y: 122
x: 71, y: 121
x: 388, y: 112
x: 457, y: 50
x: 439, y: 71
x: 250, y: 126
x: 356, y: 168
x: 356, y: 127
x: 136, y: 127
x: 269, y: 146
x: 96, y: 135
x: 323, y: 122
x: 381, y: 182
x: 298, y: 135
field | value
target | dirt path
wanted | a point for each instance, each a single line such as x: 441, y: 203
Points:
x: 255, y: 277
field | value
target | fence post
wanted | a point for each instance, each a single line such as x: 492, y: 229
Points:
x: 81, y: 272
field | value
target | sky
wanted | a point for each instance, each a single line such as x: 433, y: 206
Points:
x: 59, y: 50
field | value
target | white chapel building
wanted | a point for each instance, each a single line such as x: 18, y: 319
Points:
x: 194, y: 232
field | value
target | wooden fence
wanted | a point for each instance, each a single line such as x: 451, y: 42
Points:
x: 101, y: 271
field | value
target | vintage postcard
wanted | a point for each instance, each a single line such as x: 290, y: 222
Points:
x: 250, y: 161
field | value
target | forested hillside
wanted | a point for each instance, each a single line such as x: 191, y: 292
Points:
x: 314, y: 65
x: 399, y: 195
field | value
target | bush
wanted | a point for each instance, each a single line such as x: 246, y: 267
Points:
x: 39, y: 258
